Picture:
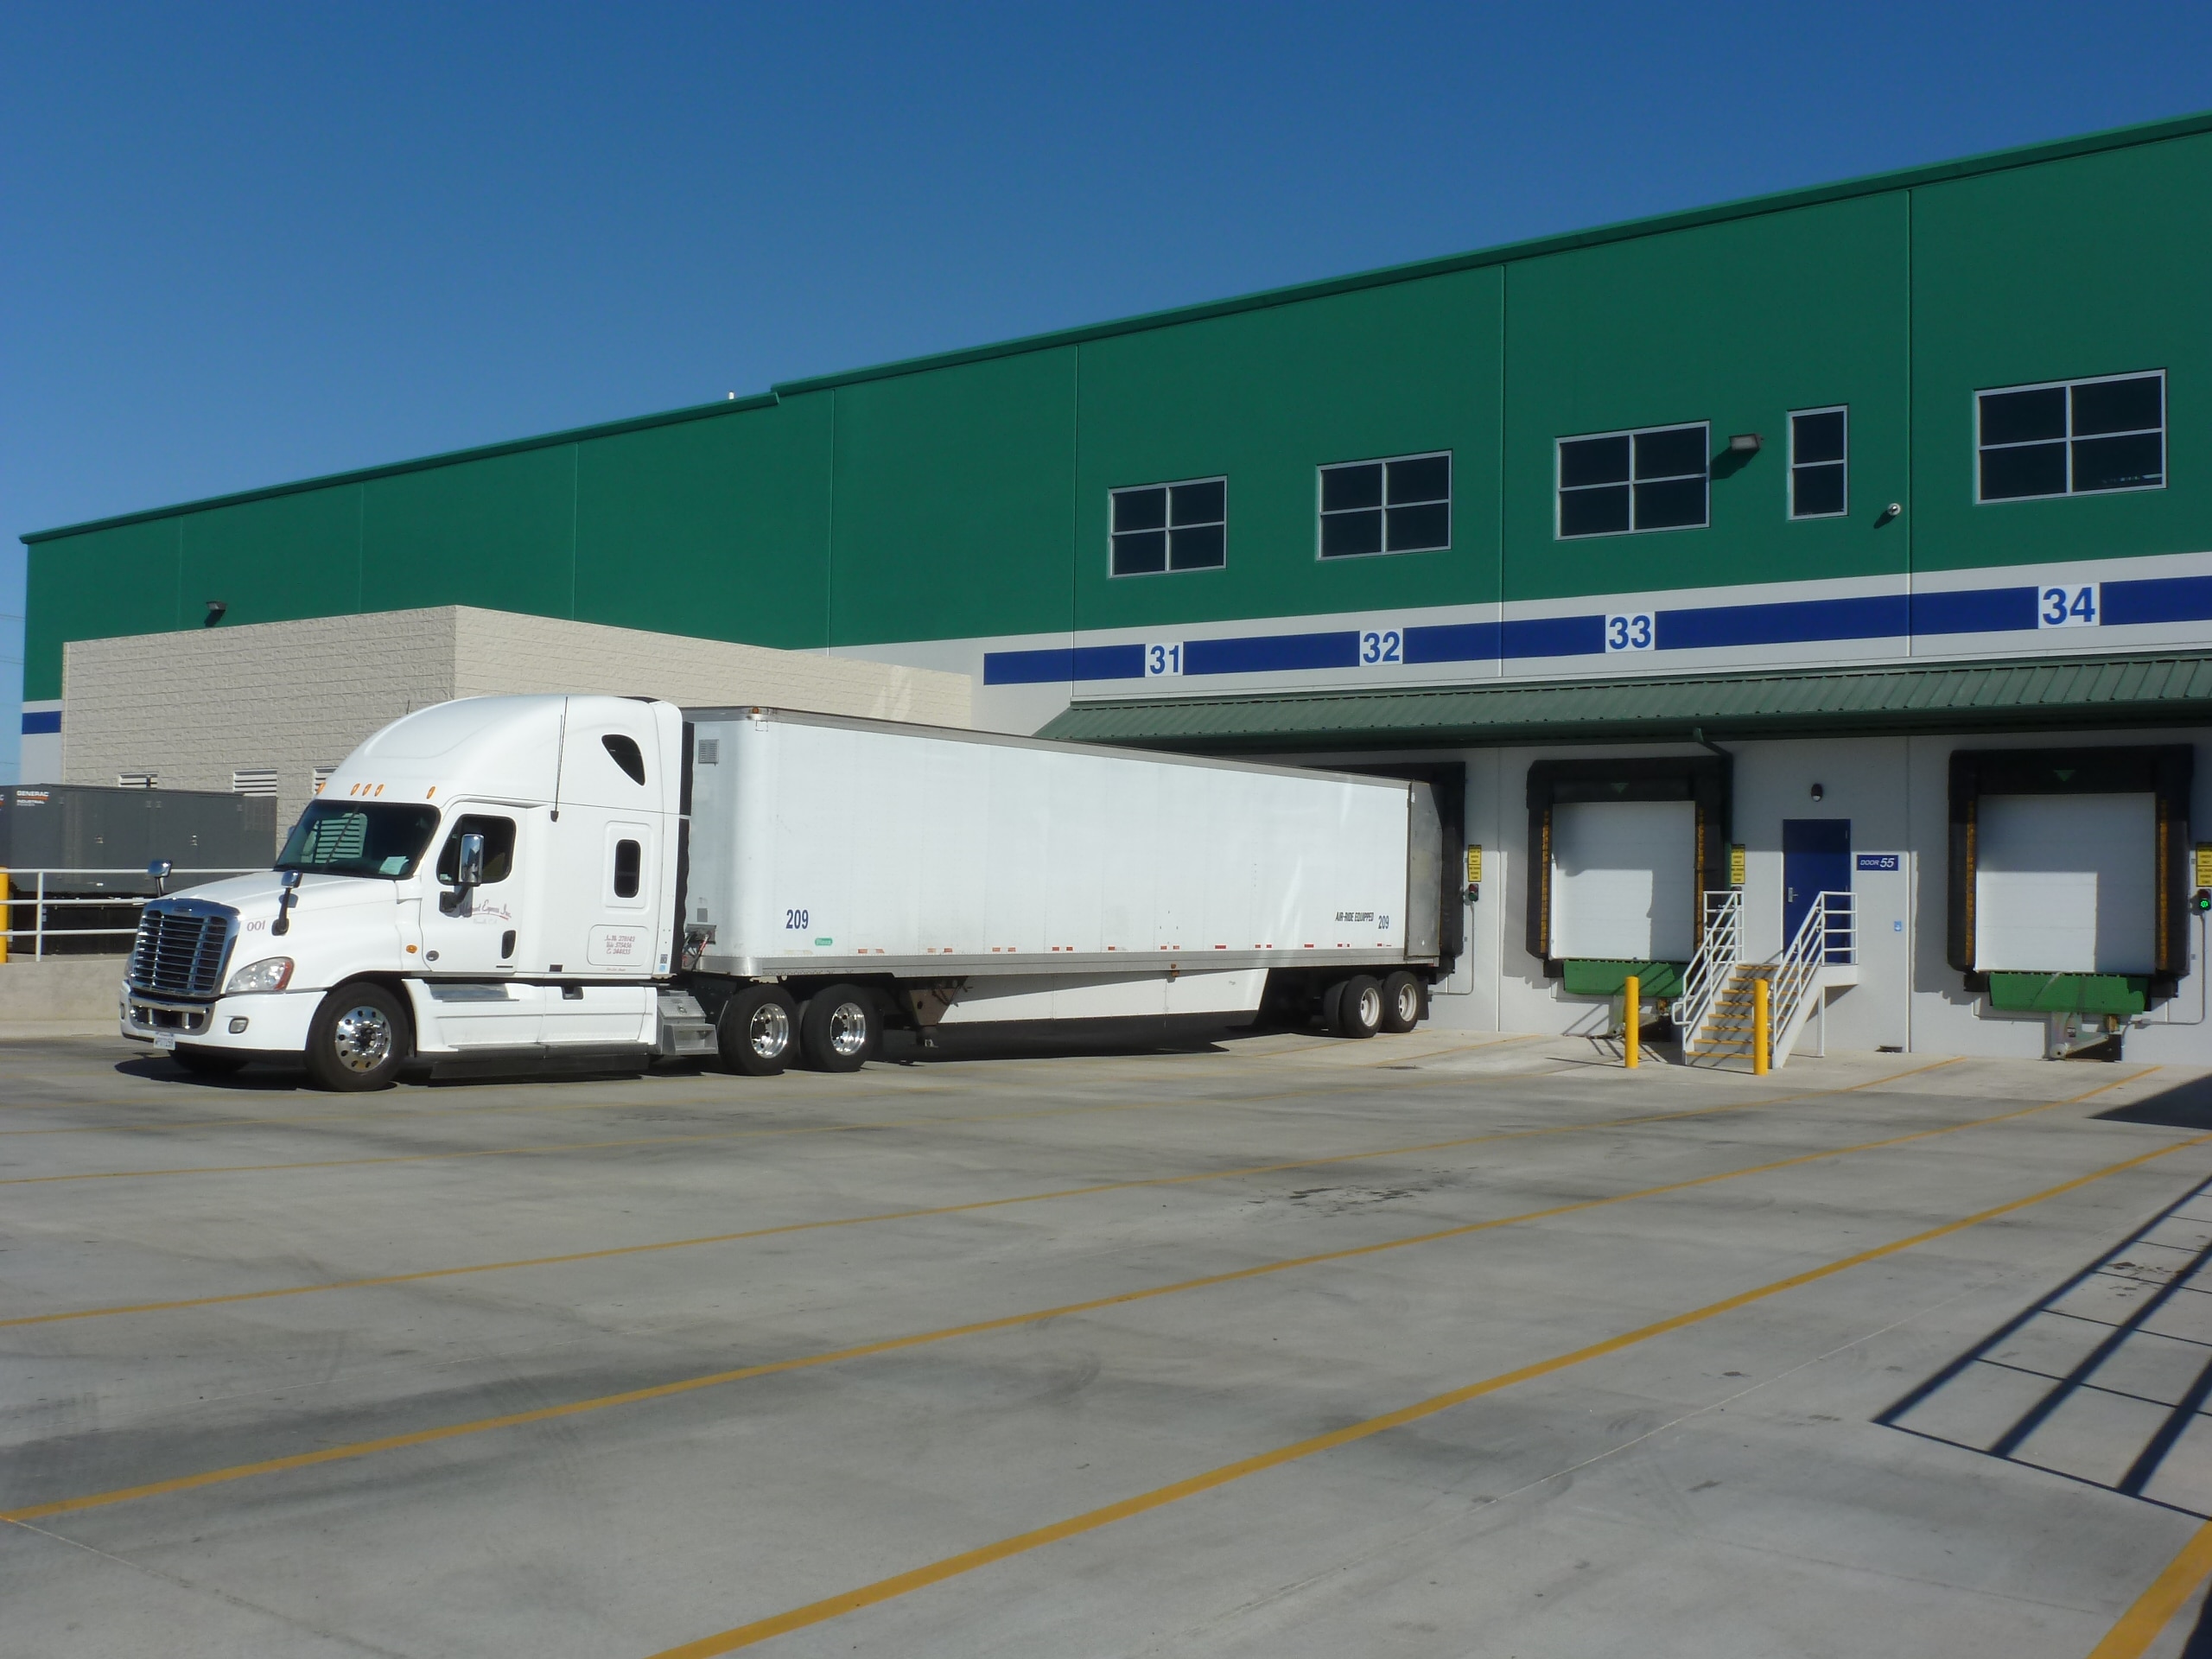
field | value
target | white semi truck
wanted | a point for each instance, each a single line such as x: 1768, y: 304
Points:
x: 600, y: 881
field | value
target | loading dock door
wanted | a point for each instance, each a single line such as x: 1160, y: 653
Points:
x: 2066, y: 884
x: 1622, y: 880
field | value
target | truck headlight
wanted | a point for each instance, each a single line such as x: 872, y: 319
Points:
x: 270, y: 974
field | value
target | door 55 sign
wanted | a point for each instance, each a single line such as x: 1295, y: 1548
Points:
x: 1878, y: 860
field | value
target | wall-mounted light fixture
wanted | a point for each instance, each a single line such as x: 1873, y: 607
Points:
x: 1819, y: 793
x: 1744, y: 443
x: 215, y: 609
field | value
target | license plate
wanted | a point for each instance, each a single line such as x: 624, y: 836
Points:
x: 165, y: 1039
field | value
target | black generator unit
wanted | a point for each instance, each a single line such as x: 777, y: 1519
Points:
x: 76, y: 827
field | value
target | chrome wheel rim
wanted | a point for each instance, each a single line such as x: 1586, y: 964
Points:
x: 1370, y: 1006
x: 769, y: 1031
x: 362, y: 1037
x: 1408, y: 1004
x: 848, y: 1030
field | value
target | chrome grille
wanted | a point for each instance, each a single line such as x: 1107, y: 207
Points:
x: 180, y: 950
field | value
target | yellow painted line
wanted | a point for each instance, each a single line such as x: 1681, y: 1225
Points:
x: 1009, y: 1322
x: 2155, y: 1608
x: 878, y: 1217
x: 952, y: 1567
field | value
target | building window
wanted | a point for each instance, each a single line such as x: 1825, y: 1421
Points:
x: 1400, y: 505
x: 1818, y: 447
x: 1171, y: 527
x: 254, y: 780
x: 1613, y: 482
x: 2073, y: 437
x: 137, y: 780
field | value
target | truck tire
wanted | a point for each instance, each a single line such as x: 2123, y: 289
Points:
x: 207, y: 1062
x: 1358, y: 1005
x: 1404, y: 1002
x: 359, y: 1039
x: 839, y: 1029
x: 758, y: 1031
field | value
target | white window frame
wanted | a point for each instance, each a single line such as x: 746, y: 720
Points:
x: 1844, y: 512
x: 1385, y: 462
x: 1631, y: 433
x: 2166, y: 447
x: 1222, y: 479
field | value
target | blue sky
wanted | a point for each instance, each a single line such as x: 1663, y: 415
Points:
x: 247, y: 244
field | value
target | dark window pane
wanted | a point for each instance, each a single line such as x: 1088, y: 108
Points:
x: 1199, y: 504
x: 2119, y: 463
x: 1428, y: 479
x: 1139, y: 509
x: 2023, y: 417
x: 2117, y: 406
x: 498, y: 849
x: 1200, y: 548
x: 624, y: 753
x: 1816, y: 437
x: 1818, y: 491
x: 1592, y: 460
x: 1344, y: 487
x: 1413, y: 529
x: 1670, y: 505
x: 1140, y: 553
x: 1346, y: 533
x: 1593, y: 512
x: 2037, y: 469
x: 626, y: 869
x: 1670, y: 454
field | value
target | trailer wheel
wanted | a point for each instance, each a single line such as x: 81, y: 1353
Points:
x: 758, y: 1031
x: 838, y: 1031
x: 1356, y: 1006
x: 358, y: 1039
x: 1403, y: 1005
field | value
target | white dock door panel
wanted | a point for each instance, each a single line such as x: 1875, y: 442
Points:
x: 2066, y: 884
x: 1622, y: 873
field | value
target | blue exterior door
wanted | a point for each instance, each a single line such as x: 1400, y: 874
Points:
x: 1815, y: 859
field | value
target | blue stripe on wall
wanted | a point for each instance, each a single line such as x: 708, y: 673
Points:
x: 1785, y: 623
x: 1553, y: 636
x: 1452, y: 642
x: 1272, y: 653
x: 2165, y: 599
x: 42, y: 722
x: 1974, y: 610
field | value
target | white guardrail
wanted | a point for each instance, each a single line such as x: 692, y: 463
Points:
x: 1720, y: 947
x: 28, y: 889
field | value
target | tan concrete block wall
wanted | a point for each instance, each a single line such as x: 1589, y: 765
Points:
x: 192, y: 705
x: 502, y: 652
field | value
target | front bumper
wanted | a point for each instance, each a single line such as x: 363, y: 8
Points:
x: 268, y: 1022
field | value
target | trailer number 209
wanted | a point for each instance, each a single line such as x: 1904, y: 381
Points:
x: 794, y: 921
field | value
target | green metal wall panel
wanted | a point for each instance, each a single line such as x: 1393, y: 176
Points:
x: 716, y: 528
x: 953, y: 501
x: 1736, y: 324
x: 2087, y: 266
x: 95, y: 586
x: 275, y: 560
x: 498, y: 533
x: 1268, y: 397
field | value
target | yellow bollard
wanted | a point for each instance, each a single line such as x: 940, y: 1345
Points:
x: 1759, y: 1028
x: 1632, y: 995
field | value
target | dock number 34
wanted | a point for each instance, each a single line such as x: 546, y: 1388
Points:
x: 2068, y: 606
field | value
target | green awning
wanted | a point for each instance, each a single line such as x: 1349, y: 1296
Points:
x: 2166, y: 688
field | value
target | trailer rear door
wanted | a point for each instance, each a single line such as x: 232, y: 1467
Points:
x: 1621, y: 881
x: 2066, y: 884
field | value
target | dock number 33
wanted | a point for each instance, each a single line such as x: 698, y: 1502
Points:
x: 1629, y: 633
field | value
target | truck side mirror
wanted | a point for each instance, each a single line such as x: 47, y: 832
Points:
x: 470, y: 872
x: 159, y: 869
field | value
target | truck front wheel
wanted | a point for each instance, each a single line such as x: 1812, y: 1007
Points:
x: 758, y: 1031
x: 358, y: 1039
x: 839, y: 1028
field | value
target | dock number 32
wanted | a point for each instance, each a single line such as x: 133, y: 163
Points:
x: 1381, y: 645
x: 2069, y: 607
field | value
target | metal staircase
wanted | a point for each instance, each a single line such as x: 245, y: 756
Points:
x: 1715, y: 1014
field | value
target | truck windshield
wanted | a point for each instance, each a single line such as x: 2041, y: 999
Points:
x: 351, y: 838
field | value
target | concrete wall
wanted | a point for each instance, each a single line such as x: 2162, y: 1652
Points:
x: 193, y: 707
x: 61, y: 996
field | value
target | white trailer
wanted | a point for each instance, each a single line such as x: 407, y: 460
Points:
x: 604, y: 880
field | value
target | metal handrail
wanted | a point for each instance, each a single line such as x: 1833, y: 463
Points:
x: 1720, y: 947
x: 1827, y: 934
x: 10, y: 881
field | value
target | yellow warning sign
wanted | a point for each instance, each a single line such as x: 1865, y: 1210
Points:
x: 2204, y: 863
x: 1736, y: 865
x: 1475, y: 866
